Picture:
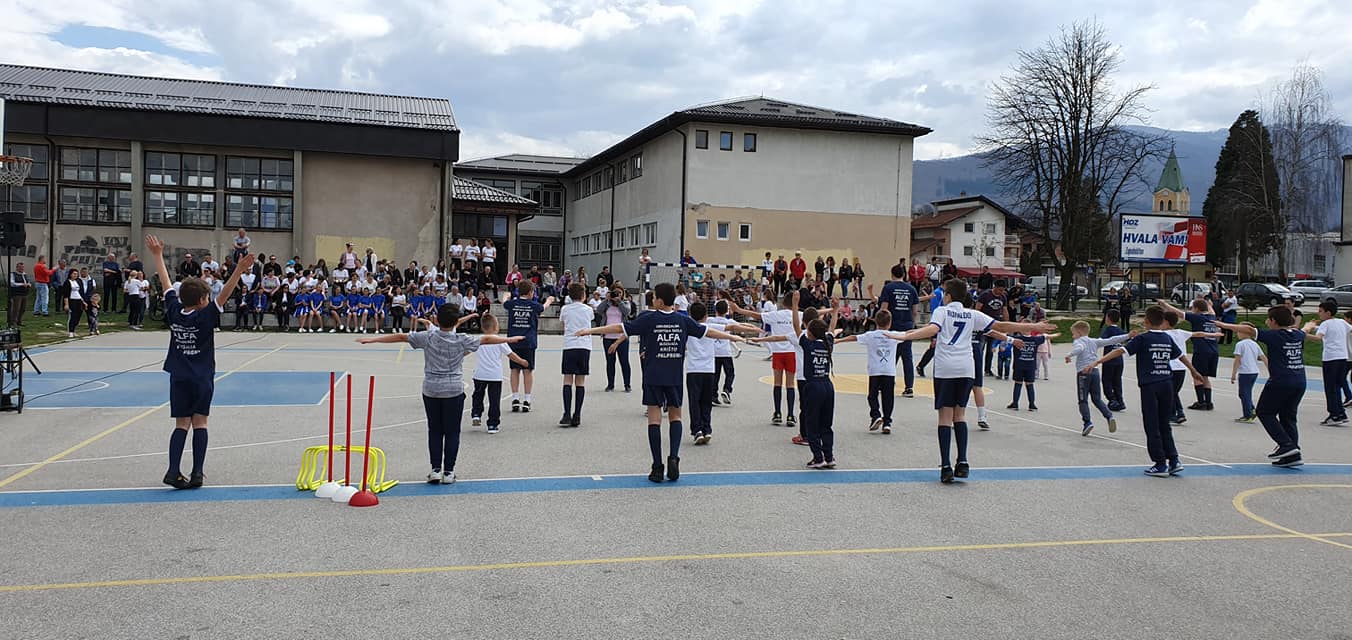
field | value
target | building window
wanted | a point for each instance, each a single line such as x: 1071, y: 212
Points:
x: 619, y: 238
x: 82, y: 204
x: 1320, y: 263
x: 725, y: 141
x: 633, y: 236
x: 636, y: 165
x: 724, y: 230
x: 988, y: 228
x: 540, y: 251
x: 650, y: 234
x: 702, y: 229
x: 258, y: 212
x: 749, y: 142
x: 186, y: 209
x: 31, y: 197
x: 621, y: 172
x: 259, y: 174
x: 744, y: 232
x: 701, y: 139
x: 548, y: 195
x: 37, y: 152
x: 969, y: 227
x: 468, y: 225
x: 969, y: 250
x: 609, y: 180
x: 577, y: 190
x: 499, y: 183
x: 990, y: 252
x: 95, y: 165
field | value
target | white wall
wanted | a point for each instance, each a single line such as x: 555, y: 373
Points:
x: 803, y: 170
x: 958, y: 239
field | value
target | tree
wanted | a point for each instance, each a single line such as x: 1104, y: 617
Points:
x: 1060, y: 150
x: 1307, y: 145
x: 1243, y: 206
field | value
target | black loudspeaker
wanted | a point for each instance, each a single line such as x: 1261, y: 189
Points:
x: 12, y: 232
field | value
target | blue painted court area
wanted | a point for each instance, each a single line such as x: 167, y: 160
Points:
x: 77, y: 497
x: 77, y: 389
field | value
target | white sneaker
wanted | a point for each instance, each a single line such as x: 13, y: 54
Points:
x: 332, y: 330
x: 725, y: 398
x: 448, y: 477
x: 475, y: 421
x: 435, y: 477
x: 71, y: 334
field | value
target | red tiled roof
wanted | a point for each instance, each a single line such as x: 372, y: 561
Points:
x: 940, y: 219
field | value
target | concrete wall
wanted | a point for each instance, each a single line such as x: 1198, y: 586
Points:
x: 388, y: 204
x: 88, y: 245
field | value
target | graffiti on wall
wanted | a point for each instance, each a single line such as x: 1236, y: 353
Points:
x: 91, y: 251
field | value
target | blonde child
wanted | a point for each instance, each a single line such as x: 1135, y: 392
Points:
x: 1247, y: 356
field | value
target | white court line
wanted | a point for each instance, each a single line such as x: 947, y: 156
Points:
x: 1094, y: 435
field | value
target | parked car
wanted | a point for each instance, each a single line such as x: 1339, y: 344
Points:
x: 1139, y: 291
x: 1308, y: 288
x: 1044, y: 286
x: 1266, y: 294
x: 1184, y: 293
x: 1340, y: 295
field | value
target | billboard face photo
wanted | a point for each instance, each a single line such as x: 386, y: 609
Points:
x: 1163, y: 239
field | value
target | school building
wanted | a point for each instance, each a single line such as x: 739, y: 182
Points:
x: 302, y: 170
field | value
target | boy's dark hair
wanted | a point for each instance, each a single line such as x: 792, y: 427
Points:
x: 447, y: 316
x: 883, y: 319
x: 192, y: 292
x: 1172, y: 318
x: 721, y: 307
x: 1329, y: 306
x: 524, y: 288
x: 898, y: 271
x: 956, y: 288
x: 576, y: 291
x: 1200, y: 306
x: 1113, y: 315
x: 810, y: 314
x: 666, y: 292
x: 698, y: 312
x: 1348, y: 314
x: 1282, y: 316
x: 1154, y: 315
x: 788, y: 298
x: 648, y: 298
x: 817, y: 329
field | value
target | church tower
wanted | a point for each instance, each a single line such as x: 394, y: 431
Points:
x: 1170, y: 194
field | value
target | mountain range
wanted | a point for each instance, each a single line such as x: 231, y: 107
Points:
x: 1197, y: 152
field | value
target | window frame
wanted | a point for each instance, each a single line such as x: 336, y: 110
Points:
x: 704, y: 144
x: 636, y: 165
x: 748, y: 143
x: 100, y: 195
x: 969, y: 227
x: 723, y: 230
x: 744, y: 227
x: 181, y: 197
x: 722, y: 136
x: 39, y: 181
x: 702, y: 235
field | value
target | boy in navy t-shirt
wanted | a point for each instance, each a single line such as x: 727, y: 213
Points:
x: 662, y: 335
x: 1206, y: 354
x: 1153, y: 350
x: 1112, y: 370
x: 1285, y: 387
x: 191, y: 362
x: 523, y: 319
x: 1025, y: 367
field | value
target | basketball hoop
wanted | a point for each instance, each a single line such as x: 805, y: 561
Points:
x: 14, y: 170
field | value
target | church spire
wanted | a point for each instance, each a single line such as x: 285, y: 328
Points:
x: 1172, y: 177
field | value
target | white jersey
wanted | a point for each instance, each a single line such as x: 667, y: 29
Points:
x: 1334, y: 331
x: 576, y: 316
x: 457, y: 250
x: 489, y: 362
x: 699, y: 352
x: 779, y: 323
x: 682, y: 303
x: 766, y: 306
x: 882, y: 353
x: 1180, y: 338
x: 953, y: 356
x: 722, y: 348
x: 1247, y: 352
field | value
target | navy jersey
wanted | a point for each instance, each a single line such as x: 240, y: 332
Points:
x: 523, y: 319
x: 900, y: 298
x: 662, y: 336
x: 192, y: 339
x: 1027, y: 356
x: 1286, y: 355
x: 816, y: 358
x: 1110, y: 331
x: 1153, y: 350
x: 1203, y: 322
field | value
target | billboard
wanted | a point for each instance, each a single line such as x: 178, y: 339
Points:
x: 1162, y: 239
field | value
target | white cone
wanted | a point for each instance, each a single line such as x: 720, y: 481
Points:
x: 344, y: 494
x: 326, y: 490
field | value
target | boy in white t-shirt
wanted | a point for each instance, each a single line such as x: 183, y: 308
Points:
x: 783, y: 361
x: 576, y: 316
x: 725, y: 352
x: 1247, y: 356
x: 488, y: 376
x: 700, y: 354
x: 881, y: 349
x: 1332, y: 332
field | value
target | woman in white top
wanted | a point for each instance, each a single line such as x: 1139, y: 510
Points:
x: 472, y: 255
x: 490, y: 253
x: 348, y: 259
x: 643, y: 261
x: 457, y: 253
x: 132, y: 287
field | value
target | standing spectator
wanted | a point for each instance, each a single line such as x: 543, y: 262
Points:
x: 643, y: 261
x: 830, y: 276
x: 582, y: 277
x: 781, y: 275
x: 1124, y: 305
x: 986, y: 280
x: 797, y: 270
x: 60, y: 284
x: 489, y: 255
x: 949, y: 271
x: 19, y: 286
x: 79, y: 289
x: 133, y: 265
x: 845, y: 275
x: 1230, y: 314
x: 242, y: 243
x: 411, y: 274
x: 472, y: 256
x: 858, y: 278
x: 916, y: 274
x: 348, y: 258
x: 371, y: 261
x: 189, y: 268
x: 688, y: 260
x: 932, y: 272
x: 42, y: 278
x: 112, y: 280
x: 767, y: 268
x: 819, y: 269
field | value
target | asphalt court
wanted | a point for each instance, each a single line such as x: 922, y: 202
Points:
x: 1055, y: 534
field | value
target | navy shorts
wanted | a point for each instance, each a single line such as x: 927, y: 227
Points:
x: 1025, y: 373
x: 663, y: 396
x: 576, y: 362
x: 951, y: 392
x: 525, y: 353
x: 980, y: 378
x: 1206, y: 363
x: 190, y: 396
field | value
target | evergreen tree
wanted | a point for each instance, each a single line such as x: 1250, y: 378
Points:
x: 1243, y: 207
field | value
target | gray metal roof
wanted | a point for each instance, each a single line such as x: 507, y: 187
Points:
x: 523, y: 163
x: 466, y: 189
x: 142, y: 93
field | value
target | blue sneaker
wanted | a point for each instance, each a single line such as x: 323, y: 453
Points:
x: 1175, y: 467
x: 1089, y: 426
x: 1160, y: 470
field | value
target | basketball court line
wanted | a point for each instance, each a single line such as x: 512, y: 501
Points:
x: 709, y: 479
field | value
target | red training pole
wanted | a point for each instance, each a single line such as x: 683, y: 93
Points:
x: 370, y: 404
x: 347, y: 472
x: 332, y: 388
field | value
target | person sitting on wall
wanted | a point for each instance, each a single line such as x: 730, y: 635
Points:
x: 189, y: 268
x: 242, y: 243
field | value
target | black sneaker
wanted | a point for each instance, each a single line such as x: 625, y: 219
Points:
x: 983, y: 425
x: 656, y: 474
x: 1032, y: 407
x: 673, y: 468
x: 516, y: 405
x: 175, y: 480
x: 1293, y: 460
x: 1282, y: 452
x: 946, y: 474
x: 627, y: 389
x: 525, y: 406
x: 608, y: 389
x: 920, y: 372
x: 790, y: 421
x: 1197, y: 406
x: 196, y: 480
x: 1175, y: 467
x: 908, y: 393
x: 777, y: 419
x: 566, y: 420
x: 1012, y: 405
x: 1160, y: 470
x: 962, y: 469
x: 576, y: 421
x: 1178, y: 419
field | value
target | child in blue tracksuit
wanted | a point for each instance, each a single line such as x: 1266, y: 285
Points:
x: 1005, y: 356
x: 1025, y: 368
x: 1112, y: 370
x: 1285, y: 387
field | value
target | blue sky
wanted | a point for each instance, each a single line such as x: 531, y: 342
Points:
x: 573, y: 77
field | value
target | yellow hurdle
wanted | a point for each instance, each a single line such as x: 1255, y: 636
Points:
x: 314, y: 468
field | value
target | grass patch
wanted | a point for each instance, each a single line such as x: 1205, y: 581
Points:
x: 39, y: 330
